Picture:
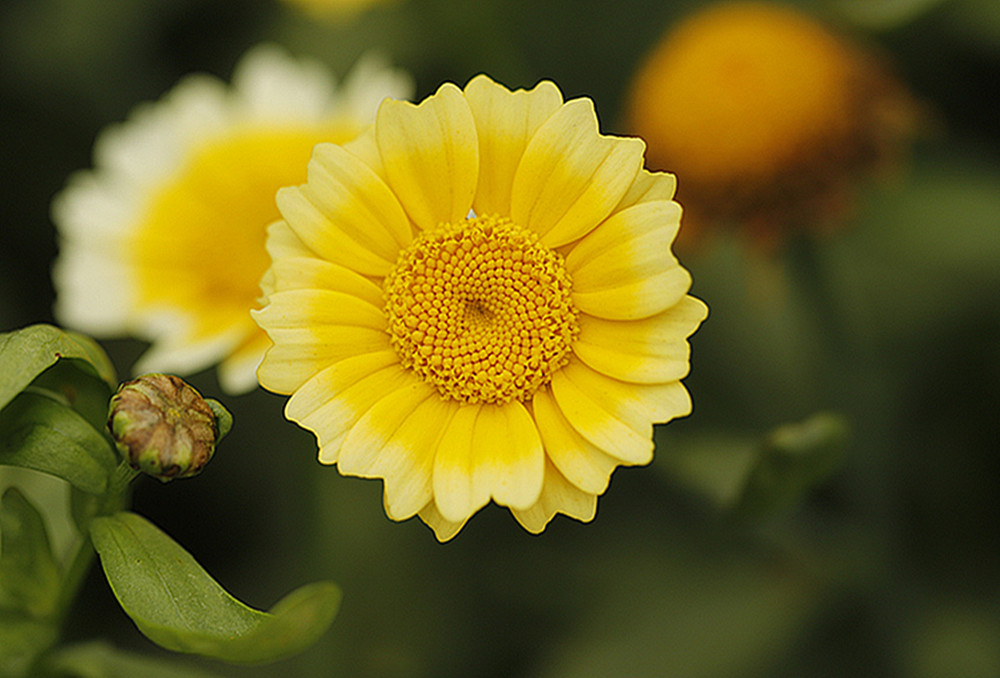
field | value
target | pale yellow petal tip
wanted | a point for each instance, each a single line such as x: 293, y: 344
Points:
x: 484, y: 82
x: 444, y: 530
x: 537, y: 518
x: 699, y: 314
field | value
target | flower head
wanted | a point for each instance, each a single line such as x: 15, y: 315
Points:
x: 477, y: 300
x: 334, y: 9
x: 164, y: 428
x: 164, y: 238
x: 766, y: 114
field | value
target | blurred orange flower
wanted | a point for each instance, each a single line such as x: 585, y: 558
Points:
x: 766, y: 116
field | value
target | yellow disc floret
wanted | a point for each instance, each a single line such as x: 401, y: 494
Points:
x: 481, y: 310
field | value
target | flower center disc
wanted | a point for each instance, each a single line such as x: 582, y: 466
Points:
x: 481, y: 310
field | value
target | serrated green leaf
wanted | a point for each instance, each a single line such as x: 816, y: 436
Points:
x: 21, y: 641
x: 794, y: 458
x: 26, y: 353
x: 100, y: 660
x: 39, y: 433
x: 177, y: 605
x: 29, y: 575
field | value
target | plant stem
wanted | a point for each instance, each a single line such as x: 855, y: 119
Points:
x: 113, y: 500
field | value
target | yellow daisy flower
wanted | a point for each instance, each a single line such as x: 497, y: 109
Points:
x: 477, y: 300
x: 766, y: 114
x: 164, y: 238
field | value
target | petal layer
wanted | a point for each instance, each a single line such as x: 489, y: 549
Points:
x: 430, y: 155
x: 300, y: 353
x: 346, y: 213
x: 570, y: 177
x: 558, y: 496
x: 580, y: 462
x: 505, y: 123
x: 624, y: 270
x: 648, y: 351
x: 334, y: 400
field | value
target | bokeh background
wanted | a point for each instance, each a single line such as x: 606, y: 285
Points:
x: 883, y: 561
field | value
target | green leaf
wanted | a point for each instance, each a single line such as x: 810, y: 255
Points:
x: 39, y: 433
x: 29, y: 575
x: 83, y: 506
x: 100, y: 660
x: 794, y: 459
x: 177, y: 605
x: 26, y: 353
x: 714, y: 466
x: 86, y: 394
x: 21, y: 641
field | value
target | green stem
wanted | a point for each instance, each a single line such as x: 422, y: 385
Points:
x: 113, y: 500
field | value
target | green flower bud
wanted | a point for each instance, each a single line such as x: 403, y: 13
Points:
x: 164, y: 428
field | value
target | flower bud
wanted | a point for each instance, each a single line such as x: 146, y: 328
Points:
x: 164, y: 428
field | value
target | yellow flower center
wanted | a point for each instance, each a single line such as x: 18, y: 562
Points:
x: 481, y: 310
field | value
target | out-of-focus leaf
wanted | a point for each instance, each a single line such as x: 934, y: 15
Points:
x: 21, y: 641
x: 884, y: 14
x: 26, y: 353
x: 83, y: 506
x: 951, y: 638
x: 794, y: 458
x: 714, y: 466
x: 39, y: 433
x: 29, y: 575
x: 100, y: 660
x: 84, y: 392
x: 177, y: 605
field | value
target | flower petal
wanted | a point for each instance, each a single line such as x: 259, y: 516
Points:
x: 320, y: 234
x: 648, y: 351
x: 366, y: 451
x: 458, y: 492
x: 409, y: 458
x: 624, y: 270
x: 558, y: 496
x: 505, y: 123
x: 282, y: 242
x: 332, y: 401
x: 615, y: 416
x: 430, y: 155
x: 305, y: 273
x: 639, y: 405
x: 580, y: 462
x: 570, y: 177
x: 299, y: 353
x: 317, y: 308
x: 238, y: 371
x: 509, y: 453
x: 95, y: 289
x: 647, y: 187
x: 346, y: 213
x: 443, y: 528
x: 180, y: 353
x: 488, y: 450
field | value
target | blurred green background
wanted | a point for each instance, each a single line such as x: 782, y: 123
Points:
x: 875, y: 557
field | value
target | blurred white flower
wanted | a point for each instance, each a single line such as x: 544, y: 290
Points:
x: 164, y: 238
